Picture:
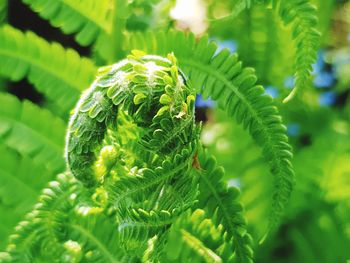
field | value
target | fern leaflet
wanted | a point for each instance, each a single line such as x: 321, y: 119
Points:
x: 302, y: 15
x: 220, y: 202
x: 41, y: 138
x: 88, y: 19
x: 58, y: 73
x: 61, y: 225
x: 195, y: 238
x: 27, y: 178
x: 221, y: 77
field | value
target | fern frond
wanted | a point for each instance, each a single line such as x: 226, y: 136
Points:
x: 21, y: 182
x: 37, y: 236
x: 64, y: 226
x: 250, y: 173
x: 222, y: 205
x: 58, y: 73
x: 144, y: 183
x: 222, y: 77
x: 150, y: 181
x: 138, y: 222
x: 137, y: 226
x: 87, y: 19
x: 97, y: 236
x: 159, y: 197
x: 194, y: 238
x: 319, y: 212
x: 32, y: 131
x: 97, y: 109
x: 302, y: 15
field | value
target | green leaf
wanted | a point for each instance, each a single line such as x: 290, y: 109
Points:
x: 302, y: 16
x: 60, y: 74
x: 87, y: 19
x: 21, y: 181
x: 220, y: 75
x: 59, y: 221
x: 139, y: 98
x: 222, y: 205
x: 195, y: 238
x: 165, y: 99
x: 32, y: 131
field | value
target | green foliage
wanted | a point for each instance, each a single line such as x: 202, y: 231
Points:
x: 137, y: 181
x: 325, y: 187
x: 28, y: 178
x: 258, y: 31
x: 86, y: 19
x: 58, y: 73
x: 222, y: 77
x: 142, y: 195
x: 220, y: 202
x: 42, y: 236
x: 32, y: 131
x: 301, y: 16
x: 155, y: 182
x: 194, y: 238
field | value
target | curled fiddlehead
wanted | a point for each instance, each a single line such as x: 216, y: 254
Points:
x: 132, y: 140
x: 133, y: 144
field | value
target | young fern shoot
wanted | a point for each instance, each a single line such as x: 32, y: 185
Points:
x: 133, y: 145
x: 154, y: 182
x: 159, y: 99
x: 221, y: 76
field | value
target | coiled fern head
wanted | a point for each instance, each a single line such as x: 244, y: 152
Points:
x: 133, y: 138
x: 149, y: 91
x: 133, y: 146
